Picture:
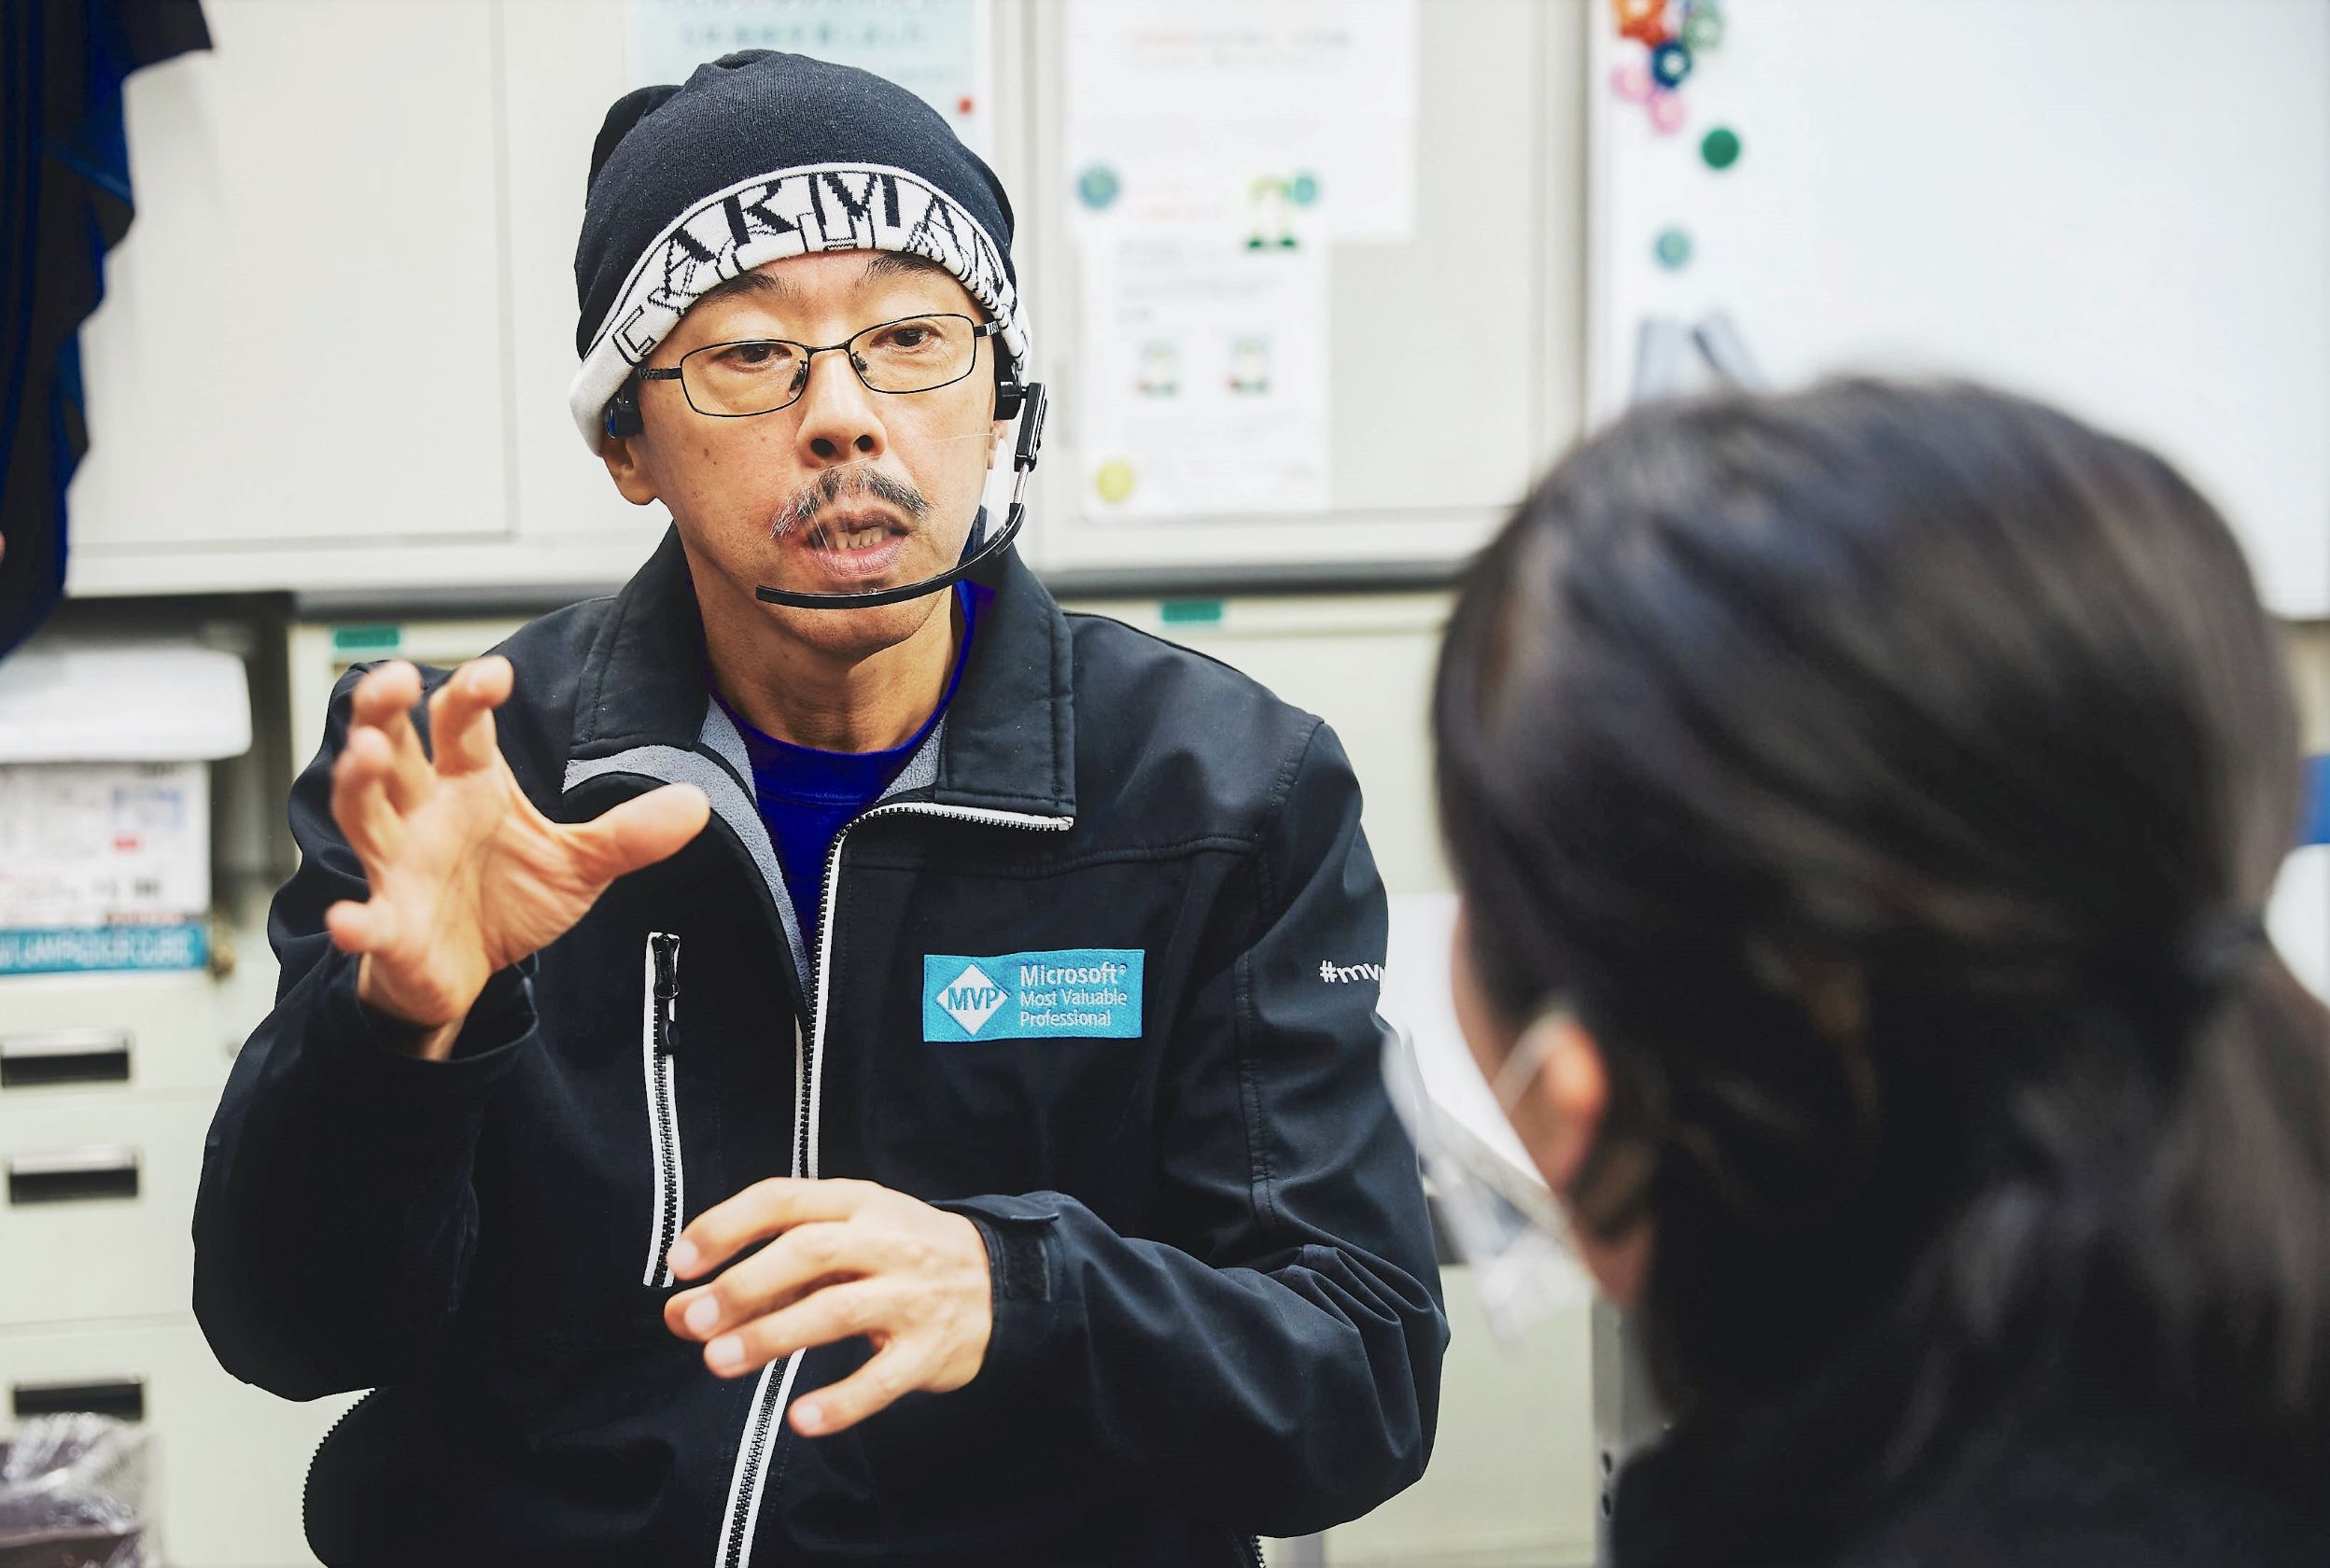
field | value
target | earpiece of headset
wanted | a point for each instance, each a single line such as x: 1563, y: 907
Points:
x: 623, y: 410
x: 1010, y: 395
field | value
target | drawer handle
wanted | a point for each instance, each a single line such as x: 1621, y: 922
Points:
x: 91, y: 1056
x: 123, y: 1398
x: 73, y: 1176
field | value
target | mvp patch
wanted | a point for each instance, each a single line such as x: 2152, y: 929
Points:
x: 1087, y: 992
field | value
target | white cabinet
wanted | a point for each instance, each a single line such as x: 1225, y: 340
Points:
x: 230, y: 1462
x: 336, y: 342
x: 303, y: 344
x: 568, y: 65
x: 100, y: 1191
x: 107, y: 1084
x: 163, y: 1032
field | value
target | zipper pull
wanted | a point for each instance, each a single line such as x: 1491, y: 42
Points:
x: 666, y: 988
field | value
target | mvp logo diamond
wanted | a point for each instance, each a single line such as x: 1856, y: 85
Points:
x: 971, y: 999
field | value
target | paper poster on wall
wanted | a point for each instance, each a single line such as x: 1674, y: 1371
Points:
x: 1233, y: 115
x: 1204, y: 379
x: 937, y: 50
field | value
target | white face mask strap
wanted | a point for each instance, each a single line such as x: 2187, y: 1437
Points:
x: 1528, y: 1059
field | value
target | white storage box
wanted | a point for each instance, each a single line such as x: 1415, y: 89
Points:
x: 104, y: 802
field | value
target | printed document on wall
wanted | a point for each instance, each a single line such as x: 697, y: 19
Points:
x: 1204, y: 378
x: 937, y: 50
x: 1235, y: 114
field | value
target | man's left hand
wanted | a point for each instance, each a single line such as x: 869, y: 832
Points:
x: 849, y: 1258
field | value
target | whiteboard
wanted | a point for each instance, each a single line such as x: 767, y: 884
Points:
x: 2119, y: 205
x: 1455, y: 353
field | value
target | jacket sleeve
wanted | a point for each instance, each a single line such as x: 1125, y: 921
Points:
x: 335, y: 1218
x: 1275, y: 1366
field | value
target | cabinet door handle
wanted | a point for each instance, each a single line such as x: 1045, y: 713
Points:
x: 72, y: 1175
x: 123, y: 1398
x: 84, y: 1055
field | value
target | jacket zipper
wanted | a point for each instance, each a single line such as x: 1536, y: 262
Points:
x: 661, y: 985
x: 769, y: 1398
x: 1254, y: 1550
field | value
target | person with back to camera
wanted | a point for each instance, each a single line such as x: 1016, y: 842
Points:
x: 951, y: 1152
x: 1863, y: 804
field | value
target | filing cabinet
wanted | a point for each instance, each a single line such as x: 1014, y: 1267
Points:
x: 99, y: 1194
x: 107, y: 1084
x: 164, y: 1032
x: 229, y: 1459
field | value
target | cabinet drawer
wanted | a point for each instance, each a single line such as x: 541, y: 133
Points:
x: 98, y: 1199
x: 229, y: 1459
x: 73, y: 1033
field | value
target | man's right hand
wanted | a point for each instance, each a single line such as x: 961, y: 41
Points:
x: 466, y: 876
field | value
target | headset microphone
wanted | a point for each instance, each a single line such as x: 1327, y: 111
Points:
x: 1027, y: 403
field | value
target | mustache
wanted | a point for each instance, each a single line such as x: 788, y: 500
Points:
x: 847, y: 482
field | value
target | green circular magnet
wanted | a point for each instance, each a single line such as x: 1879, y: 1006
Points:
x: 1720, y: 148
x: 1096, y: 186
x: 1673, y: 249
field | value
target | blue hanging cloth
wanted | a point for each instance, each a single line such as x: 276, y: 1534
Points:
x: 64, y: 200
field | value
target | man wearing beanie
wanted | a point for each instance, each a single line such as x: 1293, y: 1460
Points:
x: 821, y: 1056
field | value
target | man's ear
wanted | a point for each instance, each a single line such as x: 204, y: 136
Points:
x: 622, y: 459
x: 999, y: 442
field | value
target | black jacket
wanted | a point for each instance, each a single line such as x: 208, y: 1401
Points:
x: 1216, y: 1307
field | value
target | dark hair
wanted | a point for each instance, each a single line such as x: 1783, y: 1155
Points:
x: 1891, y: 779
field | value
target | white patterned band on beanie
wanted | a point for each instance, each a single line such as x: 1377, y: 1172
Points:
x: 761, y: 156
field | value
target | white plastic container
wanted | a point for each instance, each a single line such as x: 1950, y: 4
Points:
x: 104, y: 802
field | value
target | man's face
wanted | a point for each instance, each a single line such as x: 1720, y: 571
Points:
x: 844, y: 491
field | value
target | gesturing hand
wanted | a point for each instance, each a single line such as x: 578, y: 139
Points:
x: 849, y: 1258
x: 466, y: 876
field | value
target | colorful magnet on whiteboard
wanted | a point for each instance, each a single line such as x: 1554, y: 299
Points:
x: 1631, y: 82
x: 1720, y: 148
x: 1113, y: 481
x: 1303, y: 190
x: 1703, y: 29
x: 1673, y: 249
x: 1670, y: 62
x: 1644, y: 21
x: 1666, y: 112
x: 1096, y: 186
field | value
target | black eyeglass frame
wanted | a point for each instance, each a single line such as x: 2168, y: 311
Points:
x: 809, y: 361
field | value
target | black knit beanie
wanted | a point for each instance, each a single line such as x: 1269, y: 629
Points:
x: 764, y: 155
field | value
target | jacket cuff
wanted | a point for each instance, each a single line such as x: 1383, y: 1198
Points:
x: 1024, y: 1269
x: 366, y: 1048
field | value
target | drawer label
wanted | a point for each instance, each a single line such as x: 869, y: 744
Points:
x: 73, y: 949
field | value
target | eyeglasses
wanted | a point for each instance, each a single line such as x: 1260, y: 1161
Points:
x: 1497, y: 1219
x: 761, y: 375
